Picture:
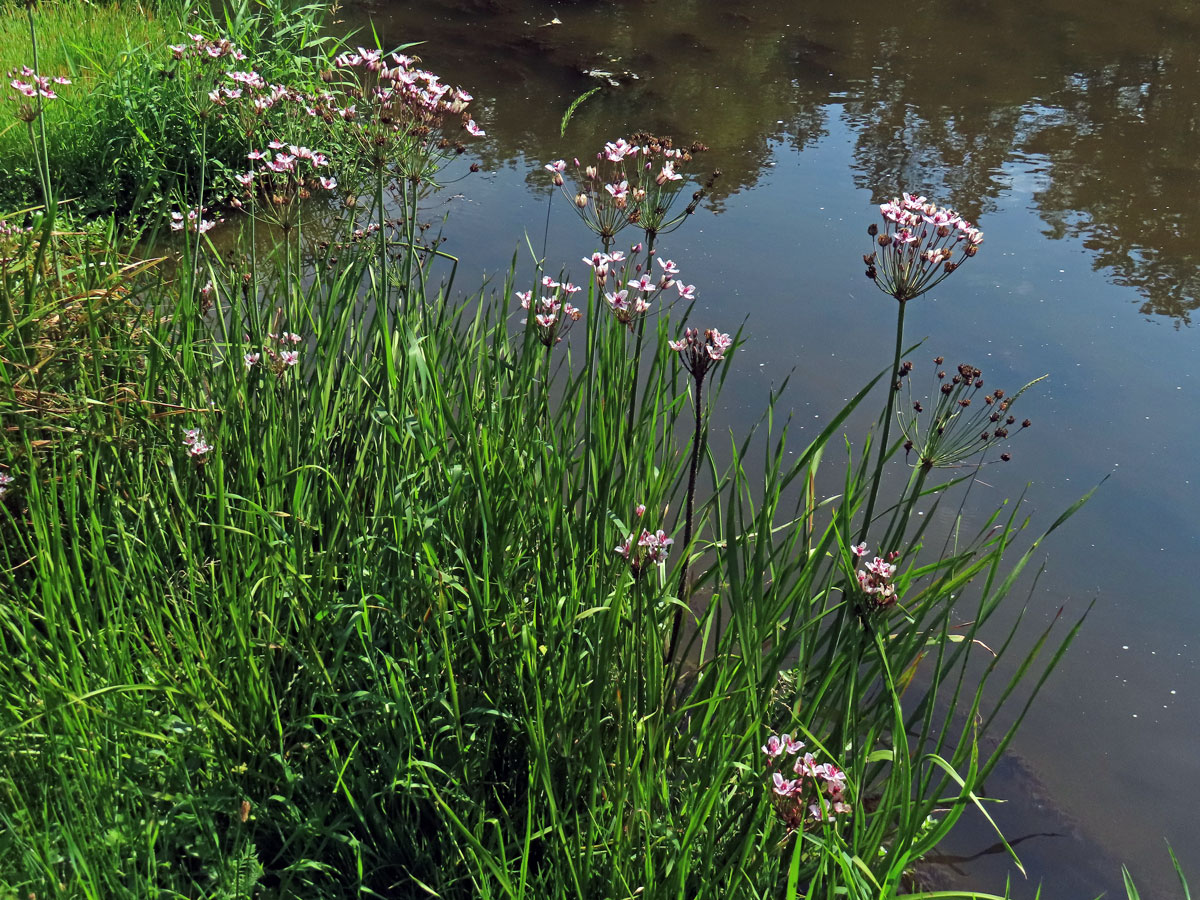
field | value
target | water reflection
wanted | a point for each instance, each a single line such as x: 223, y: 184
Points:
x: 940, y: 100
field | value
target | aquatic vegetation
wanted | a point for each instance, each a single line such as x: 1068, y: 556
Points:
x: 307, y: 593
x: 632, y: 182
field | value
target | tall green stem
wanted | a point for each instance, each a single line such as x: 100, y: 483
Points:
x: 689, y: 511
x: 637, y: 356
x: 888, y: 414
x: 43, y: 156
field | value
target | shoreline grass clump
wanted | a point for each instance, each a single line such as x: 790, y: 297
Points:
x: 316, y: 581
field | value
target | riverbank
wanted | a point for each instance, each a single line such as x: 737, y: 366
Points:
x: 319, y: 581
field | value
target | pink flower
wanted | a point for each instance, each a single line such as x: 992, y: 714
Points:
x: 783, y: 787
x: 618, y: 191
x: 328, y: 183
x: 289, y: 357
x: 639, y: 510
x: 686, y: 291
x: 644, y: 284
x: 668, y: 173
x: 615, y: 151
x: 251, y: 359
x: 773, y: 747
x: 859, y: 549
x: 473, y: 129
x: 792, y: 746
x: 668, y: 266
x: 655, y: 544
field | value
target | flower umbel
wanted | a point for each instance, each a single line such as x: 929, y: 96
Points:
x: 962, y: 419
x: 650, y: 547
x: 699, y: 354
x: 632, y: 182
x: 816, y: 793
x: 915, y: 249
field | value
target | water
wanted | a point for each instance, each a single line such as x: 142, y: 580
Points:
x: 1068, y: 131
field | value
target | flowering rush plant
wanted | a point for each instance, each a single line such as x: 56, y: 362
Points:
x: 699, y: 354
x: 915, y: 249
x: 963, y: 419
x: 552, y: 312
x: 875, y: 578
x: 397, y: 111
x: 634, y: 286
x: 282, y: 175
x: 651, y: 547
x: 632, y: 182
x: 803, y: 791
x: 197, y: 447
x: 33, y: 86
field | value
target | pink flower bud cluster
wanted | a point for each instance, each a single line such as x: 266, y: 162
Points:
x: 915, y: 249
x: 650, y: 547
x: 816, y: 794
x: 5, y: 480
x: 552, y: 311
x: 699, y: 354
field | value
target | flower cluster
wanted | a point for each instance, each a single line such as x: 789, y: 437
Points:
x: 283, y: 358
x: 37, y: 86
x: 964, y: 419
x: 206, y: 50
x: 632, y: 182
x: 193, y: 221
x: 281, y: 176
x: 5, y: 481
x: 916, y: 246
x: 552, y: 311
x: 701, y: 354
x: 32, y: 86
x: 650, y: 547
x: 198, y: 448
x: 397, y: 111
x: 816, y: 794
x: 634, y: 287
x: 875, y: 579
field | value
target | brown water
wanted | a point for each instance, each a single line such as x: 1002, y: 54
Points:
x: 1070, y: 132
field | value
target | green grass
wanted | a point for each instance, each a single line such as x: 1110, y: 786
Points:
x: 96, y: 46
x: 124, y: 136
x: 376, y: 640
